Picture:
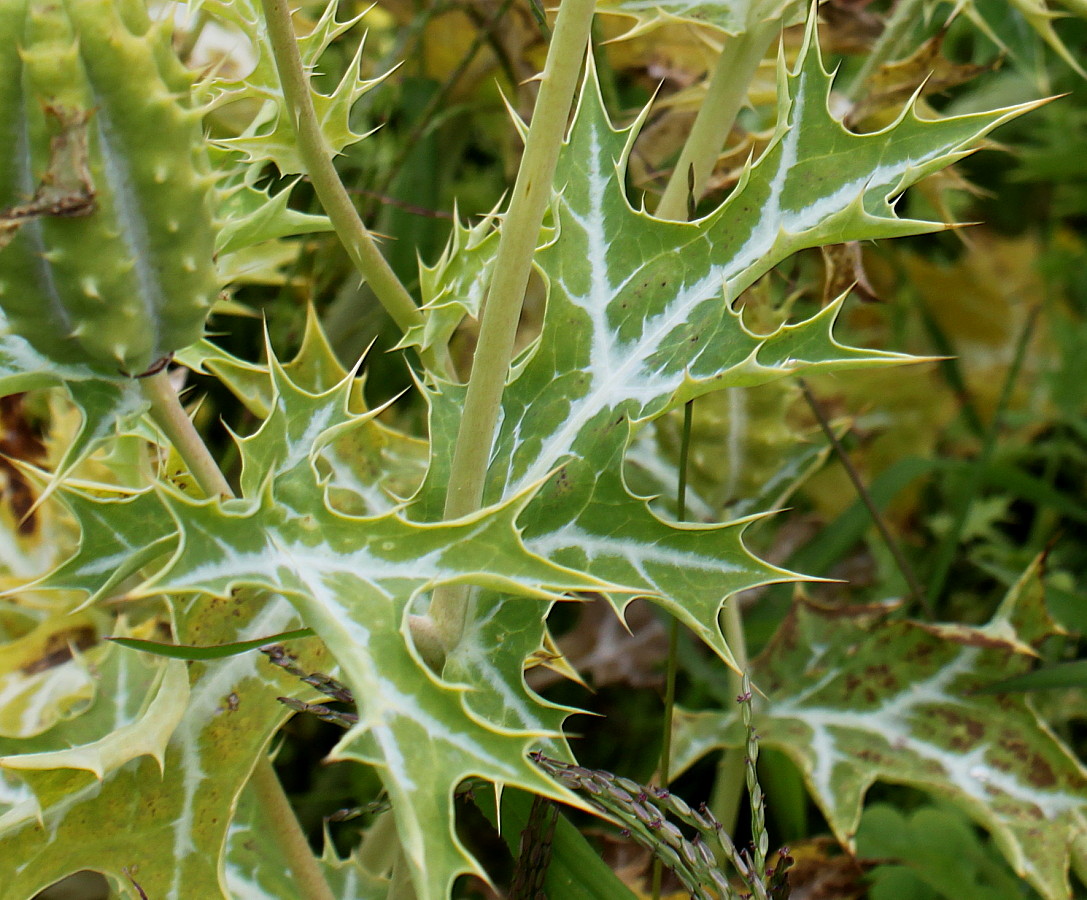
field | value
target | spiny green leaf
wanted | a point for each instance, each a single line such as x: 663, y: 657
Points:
x: 855, y: 697
x: 247, y: 381
x: 136, y: 709
x: 104, y: 404
x: 366, y: 466
x: 355, y: 580
x: 167, y: 825
x: 271, y: 136
x: 490, y: 661
x: 1040, y: 16
x: 454, y: 287
x: 120, y: 532
x: 638, y: 315
x: 253, y: 216
x: 640, y: 319
x: 732, y: 17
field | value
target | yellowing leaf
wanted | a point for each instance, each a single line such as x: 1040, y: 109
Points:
x: 42, y: 679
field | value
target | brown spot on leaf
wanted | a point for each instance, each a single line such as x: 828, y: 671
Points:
x: 1034, y: 767
x: 920, y: 652
x: 880, y: 676
x: 20, y: 438
x: 58, y: 648
x: 962, y: 731
x: 855, y: 685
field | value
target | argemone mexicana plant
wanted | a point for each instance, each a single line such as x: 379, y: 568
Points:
x: 424, y: 571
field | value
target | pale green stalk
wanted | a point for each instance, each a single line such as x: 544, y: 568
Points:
x: 170, y: 416
x: 175, y: 423
x: 330, y: 191
x: 292, y: 844
x: 890, y: 45
x: 192, y: 35
x: 725, y: 94
x: 513, y: 265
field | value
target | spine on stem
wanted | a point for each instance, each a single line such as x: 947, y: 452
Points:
x: 513, y: 265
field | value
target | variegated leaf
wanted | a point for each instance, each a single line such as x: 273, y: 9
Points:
x: 367, y: 467
x: 270, y: 135
x: 731, y: 17
x: 854, y: 697
x: 162, y: 815
x: 640, y: 318
x: 455, y: 286
x: 104, y: 404
x: 353, y: 580
x: 41, y: 684
x: 138, y: 703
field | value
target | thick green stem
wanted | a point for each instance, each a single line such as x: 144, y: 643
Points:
x: 513, y: 265
x: 889, y: 46
x: 308, y: 877
x: 725, y: 94
x: 170, y: 416
x: 337, y: 204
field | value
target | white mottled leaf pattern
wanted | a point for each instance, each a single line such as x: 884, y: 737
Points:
x: 731, y: 17
x: 353, y: 580
x: 854, y: 696
x: 180, y: 810
x: 640, y: 319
